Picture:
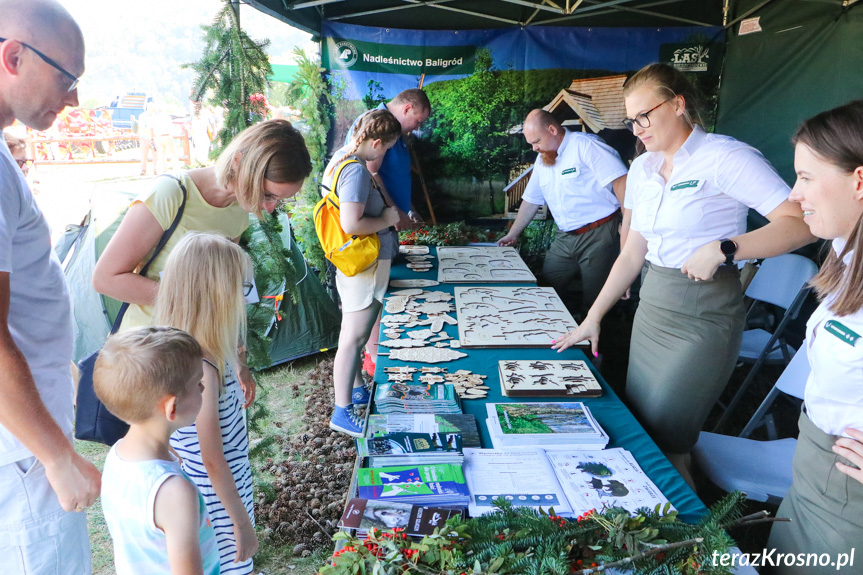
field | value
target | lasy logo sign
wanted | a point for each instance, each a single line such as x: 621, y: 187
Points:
x: 356, y: 55
x: 691, y: 57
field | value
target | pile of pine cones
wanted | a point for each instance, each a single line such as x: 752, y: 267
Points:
x: 312, y: 482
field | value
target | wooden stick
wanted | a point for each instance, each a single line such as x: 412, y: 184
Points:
x: 423, y: 184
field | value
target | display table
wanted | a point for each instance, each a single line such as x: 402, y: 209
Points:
x: 622, y: 427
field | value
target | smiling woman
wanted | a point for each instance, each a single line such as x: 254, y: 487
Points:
x: 264, y: 164
x: 824, y: 505
x: 688, y: 197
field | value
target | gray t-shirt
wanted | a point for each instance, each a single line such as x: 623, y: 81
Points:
x: 355, y: 185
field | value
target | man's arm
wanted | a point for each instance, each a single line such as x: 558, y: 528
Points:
x: 75, y: 480
x: 525, y: 214
x: 619, y: 187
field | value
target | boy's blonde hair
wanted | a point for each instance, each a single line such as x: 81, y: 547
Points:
x: 273, y: 150
x: 138, y: 368
x: 202, y: 292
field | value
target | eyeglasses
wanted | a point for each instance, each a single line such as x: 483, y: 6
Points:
x: 52, y: 63
x: 22, y: 163
x: 643, y: 120
x: 247, y: 288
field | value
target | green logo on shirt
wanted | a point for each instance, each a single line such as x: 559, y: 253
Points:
x: 686, y: 184
x: 844, y: 333
x: 569, y: 171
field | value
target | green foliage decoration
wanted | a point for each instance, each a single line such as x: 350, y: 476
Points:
x: 274, y: 274
x: 452, y: 234
x: 232, y: 67
x: 520, y: 540
x: 313, y: 96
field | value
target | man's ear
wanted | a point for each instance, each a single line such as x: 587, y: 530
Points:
x: 10, y: 56
x: 552, y: 129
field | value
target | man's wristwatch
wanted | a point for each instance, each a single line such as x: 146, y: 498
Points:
x: 728, y: 249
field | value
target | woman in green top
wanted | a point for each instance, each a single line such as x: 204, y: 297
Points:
x: 263, y: 165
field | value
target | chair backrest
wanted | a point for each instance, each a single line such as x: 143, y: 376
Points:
x: 781, y: 278
x: 793, y: 379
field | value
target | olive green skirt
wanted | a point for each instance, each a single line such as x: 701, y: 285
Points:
x: 685, y: 341
x: 825, y: 507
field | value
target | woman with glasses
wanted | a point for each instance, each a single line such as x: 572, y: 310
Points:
x: 687, y: 197
x: 18, y: 148
x: 262, y: 166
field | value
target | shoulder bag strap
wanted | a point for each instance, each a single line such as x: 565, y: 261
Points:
x: 162, y: 241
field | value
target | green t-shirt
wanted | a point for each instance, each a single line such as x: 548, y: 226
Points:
x: 163, y: 200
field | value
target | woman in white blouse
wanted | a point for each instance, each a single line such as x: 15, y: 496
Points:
x: 825, y: 503
x: 688, y: 197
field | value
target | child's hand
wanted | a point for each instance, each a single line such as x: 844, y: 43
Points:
x: 247, y: 540
x: 391, y: 215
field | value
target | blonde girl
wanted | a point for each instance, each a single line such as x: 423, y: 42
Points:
x: 201, y: 292
x: 364, y: 210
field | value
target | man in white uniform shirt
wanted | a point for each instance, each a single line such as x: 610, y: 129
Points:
x: 582, y: 179
x: 44, y: 485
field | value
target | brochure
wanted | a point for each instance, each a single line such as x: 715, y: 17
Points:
x: 413, y: 398
x: 442, y: 484
x: 416, y: 520
x: 565, y: 423
x: 410, y: 448
x: 462, y: 423
x: 570, y: 482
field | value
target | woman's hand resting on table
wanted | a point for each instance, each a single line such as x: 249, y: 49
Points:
x: 588, y: 330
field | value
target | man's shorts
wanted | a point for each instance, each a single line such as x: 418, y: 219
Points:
x: 36, y: 536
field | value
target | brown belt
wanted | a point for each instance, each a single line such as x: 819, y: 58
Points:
x: 594, y: 225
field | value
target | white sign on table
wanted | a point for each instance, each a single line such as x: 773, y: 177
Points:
x: 527, y: 316
x: 482, y: 264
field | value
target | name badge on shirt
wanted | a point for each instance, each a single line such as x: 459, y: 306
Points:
x: 569, y: 173
x: 843, y: 332
x: 684, y: 185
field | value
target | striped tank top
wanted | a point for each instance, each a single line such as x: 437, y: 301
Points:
x: 235, y: 442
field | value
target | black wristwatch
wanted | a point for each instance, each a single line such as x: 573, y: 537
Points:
x: 728, y: 249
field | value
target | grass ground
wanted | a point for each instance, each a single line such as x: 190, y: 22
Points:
x: 283, y: 415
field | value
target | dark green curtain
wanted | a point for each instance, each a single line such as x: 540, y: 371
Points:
x: 807, y: 59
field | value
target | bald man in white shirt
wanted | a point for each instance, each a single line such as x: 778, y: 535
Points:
x: 44, y: 485
x: 583, y: 180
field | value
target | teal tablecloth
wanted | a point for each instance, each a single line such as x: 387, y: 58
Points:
x: 622, y: 427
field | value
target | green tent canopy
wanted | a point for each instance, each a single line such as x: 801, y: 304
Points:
x: 306, y: 327
x: 283, y: 72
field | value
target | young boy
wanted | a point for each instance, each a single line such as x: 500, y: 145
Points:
x: 150, y: 377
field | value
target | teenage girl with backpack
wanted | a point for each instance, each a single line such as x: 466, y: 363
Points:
x: 202, y: 292
x: 364, y: 210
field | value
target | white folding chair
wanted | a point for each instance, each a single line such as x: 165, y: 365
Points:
x: 761, y: 469
x: 780, y: 281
